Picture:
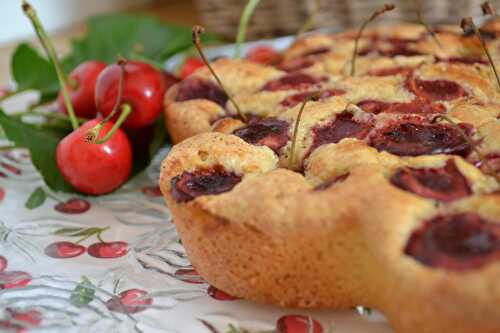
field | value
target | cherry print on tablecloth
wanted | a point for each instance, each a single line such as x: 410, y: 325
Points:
x: 20, y: 321
x: 73, y: 206
x: 294, y: 323
x: 220, y: 295
x: 14, y: 279
x: 130, y: 301
x: 108, y: 250
x: 152, y: 191
x: 188, y: 275
x: 62, y: 250
x: 3, y: 263
x: 2, y: 194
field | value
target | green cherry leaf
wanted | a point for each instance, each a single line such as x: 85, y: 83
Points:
x: 36, y: 199
x: 31, y: 71
x: 42, y: 144
x: 83, y: 293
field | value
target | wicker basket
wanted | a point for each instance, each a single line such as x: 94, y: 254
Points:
x: 274, y: 18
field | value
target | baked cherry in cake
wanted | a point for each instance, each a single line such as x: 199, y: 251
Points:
x: 356, y: 196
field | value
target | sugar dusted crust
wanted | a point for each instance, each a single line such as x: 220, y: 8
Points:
x: 335, y: 228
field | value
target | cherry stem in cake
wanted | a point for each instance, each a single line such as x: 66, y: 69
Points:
x: 197, y: 31
x: 92, y: 135
x: 469, y: 141
x: 375, y: 14
x: 291, y: 158
x: 468, y: 25
x: 44, y: 38
x: 422, y: 22
x: 311, y: 20
x: 242, y: 28
x: 488, y: 9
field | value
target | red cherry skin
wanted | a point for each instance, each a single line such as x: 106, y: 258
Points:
x: 14, y: 279
x: 297, y: 324
x: 3, y: 263
x: 84, y: 76
x: 190, y: 65
x: 143, y: 90
x: 128, y: 301
x: 108, y: 250
x: 73, y: 206
x: 94, y: 168
x: 263, y: 54
x: 220, y: 295
x: 62, y: 250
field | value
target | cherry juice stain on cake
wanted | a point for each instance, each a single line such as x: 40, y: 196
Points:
x: 189, y: 185
x: 294, y: 80
x: 269, y: 132
x: 444, y: 184
x: 14, y: 279
x: 458, y: 242
x: 416, y: 106
x: 130, y: 301
x: 298, y: 324
x: 405, y: 71
x: 62, y: 250
x: 331, y: 182
x: 390, y: 47
x: 464, y: 60
x: 73, y: 206
x: 436, y: 90
x: 108, y: 250
x: 220, y: 295
x: 292, y: 100
x: 295, y: 65
x: 343, y: 126
x: 414, y: 139
x: 195, y: 88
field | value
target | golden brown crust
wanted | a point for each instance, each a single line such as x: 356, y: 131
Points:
x: 276, y: 237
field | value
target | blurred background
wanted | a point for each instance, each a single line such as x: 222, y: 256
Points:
x: 65, y: 18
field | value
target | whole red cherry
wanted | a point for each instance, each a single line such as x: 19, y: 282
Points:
x: 94, y: 168
x: 81, y: 88
x: 143, y: 90
x: 190, y: 65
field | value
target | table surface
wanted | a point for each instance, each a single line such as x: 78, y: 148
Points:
x: 178, y: 12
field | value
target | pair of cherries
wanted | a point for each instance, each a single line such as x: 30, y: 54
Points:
x: 93, y: 90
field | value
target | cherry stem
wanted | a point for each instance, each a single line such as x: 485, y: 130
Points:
x: 242, y: 28
x: 122, y: 63
x: 311, y: 20
x: 126, y: 110
x: 488, y: 9
x: 30, y: 12
x: 469, y: 142
x: 99, y: 234
x: 467, y: 24
x: 422, y: 22
x: 197, y: 30
x: 291, y: 159
x: 375, y: 14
